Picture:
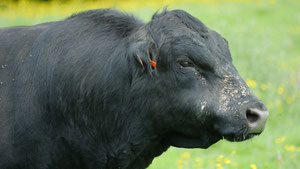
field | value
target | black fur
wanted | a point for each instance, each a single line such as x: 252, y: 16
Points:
x: 74, y: 94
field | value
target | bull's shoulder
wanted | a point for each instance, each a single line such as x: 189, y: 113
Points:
x: 106, y: 16
x: 107, y: 20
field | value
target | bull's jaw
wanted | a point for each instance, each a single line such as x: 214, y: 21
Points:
x: 183, y: 141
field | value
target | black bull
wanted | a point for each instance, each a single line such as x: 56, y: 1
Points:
x: 104, y: 90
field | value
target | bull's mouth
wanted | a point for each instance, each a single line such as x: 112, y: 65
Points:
x: 239, y: 138
x: 237, y: 135
x: 184, y: 141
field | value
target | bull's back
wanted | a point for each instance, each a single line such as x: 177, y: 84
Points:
x: 16, y: 42
x: 15, y: 46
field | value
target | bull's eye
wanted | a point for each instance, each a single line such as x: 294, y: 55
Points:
x: 185, y: 63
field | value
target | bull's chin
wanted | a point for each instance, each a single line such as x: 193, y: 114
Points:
x: 183, y: 141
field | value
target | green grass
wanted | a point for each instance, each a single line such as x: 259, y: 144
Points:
x: 264, y: 39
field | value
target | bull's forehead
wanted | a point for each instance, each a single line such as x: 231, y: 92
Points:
x: 177, y: 19
x: 180, y: 30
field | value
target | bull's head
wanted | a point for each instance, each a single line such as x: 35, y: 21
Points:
x: 197, y: 97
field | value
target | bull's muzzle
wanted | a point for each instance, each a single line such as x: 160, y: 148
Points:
x: 256, y: 120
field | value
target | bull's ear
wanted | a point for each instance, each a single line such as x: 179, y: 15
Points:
x: 145, y: 55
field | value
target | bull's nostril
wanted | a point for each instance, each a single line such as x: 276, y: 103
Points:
x: 256, y: 120
x: 252, y: 116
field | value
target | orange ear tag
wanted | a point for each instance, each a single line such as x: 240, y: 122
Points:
x: 153, y: 63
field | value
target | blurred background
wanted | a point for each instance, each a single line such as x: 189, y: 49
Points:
x: 264, y: 39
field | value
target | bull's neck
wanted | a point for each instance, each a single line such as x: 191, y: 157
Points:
x: 137, y: 145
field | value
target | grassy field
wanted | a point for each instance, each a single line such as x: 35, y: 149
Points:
x: 264, y: 38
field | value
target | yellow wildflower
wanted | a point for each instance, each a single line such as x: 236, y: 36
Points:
x: 290, y: 99
x: 291, y: 148
x: 253, y: 166
x: 219, y: 166
x: 185, y: 155
x: 180, y: 162
x: 251, y: 83
x: 198, y: 159
x: 263, y: 87
x: 220, y: 158
x: 227, y: 161
x: 233, y: 152
x: 280, y: 140
x: 180, y: 167
x: 280, y: 90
